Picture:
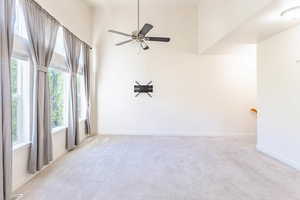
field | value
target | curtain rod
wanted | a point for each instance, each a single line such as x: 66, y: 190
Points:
x: 74, y: 35
x: 63, y: 26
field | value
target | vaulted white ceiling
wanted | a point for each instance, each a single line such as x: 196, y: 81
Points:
x: 226, y: 24
x: 262, y: 25
x: 219, y: 18
x: 143, y: 2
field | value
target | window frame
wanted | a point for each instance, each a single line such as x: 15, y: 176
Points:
x: 82, y: 95
x: 58, y: 63
x: 20, y: 53
x: 81, y: 90
x: 66, y: 102
x: 23, y: 137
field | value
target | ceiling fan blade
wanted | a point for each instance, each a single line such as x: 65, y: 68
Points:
x: 144, y: 45
x: 146, y: 29
x: 119, y: 33
x: 125, y: 42
x: 158, y: 39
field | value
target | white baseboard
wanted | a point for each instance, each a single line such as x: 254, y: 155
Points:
x: 292, y: 163
x: 176, y: 133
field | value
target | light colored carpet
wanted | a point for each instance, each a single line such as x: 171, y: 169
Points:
x: 166, y: 168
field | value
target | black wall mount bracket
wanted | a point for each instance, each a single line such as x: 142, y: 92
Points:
x: 143, y: 89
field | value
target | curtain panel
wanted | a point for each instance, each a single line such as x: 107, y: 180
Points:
x: 7, y: 20
x: 42, y: 32
x: 86, y: 72
x: 72, y: 48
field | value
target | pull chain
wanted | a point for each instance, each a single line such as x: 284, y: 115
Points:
x: 138, y: 15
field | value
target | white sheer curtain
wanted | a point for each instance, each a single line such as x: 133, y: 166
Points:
x: 7, y: 20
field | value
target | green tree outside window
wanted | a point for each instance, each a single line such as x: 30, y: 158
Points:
x: 56, y: 85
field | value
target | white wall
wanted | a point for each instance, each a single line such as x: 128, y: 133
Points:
x: 279, y: 96
x: 194, y: 95
x: 21, y: 156
x: 76, y: 15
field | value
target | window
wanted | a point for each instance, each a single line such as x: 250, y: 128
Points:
x: 60, y: 44
x: 20, y: 27
x: 20, y: 82
x: 57, y: 83
x: 81, y: 96
x: 20, y: 87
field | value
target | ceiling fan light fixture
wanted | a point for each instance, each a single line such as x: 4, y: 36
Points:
x: 291, y: 13
x: 144, y: 45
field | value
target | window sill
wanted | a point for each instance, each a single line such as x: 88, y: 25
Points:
x: 25, y: 145
x: 20, y: 146
x: 82, y: 120
x: 64, y: 128
x: 59, y: 129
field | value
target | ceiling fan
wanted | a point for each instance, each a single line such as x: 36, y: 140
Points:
x: 140, y: 35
